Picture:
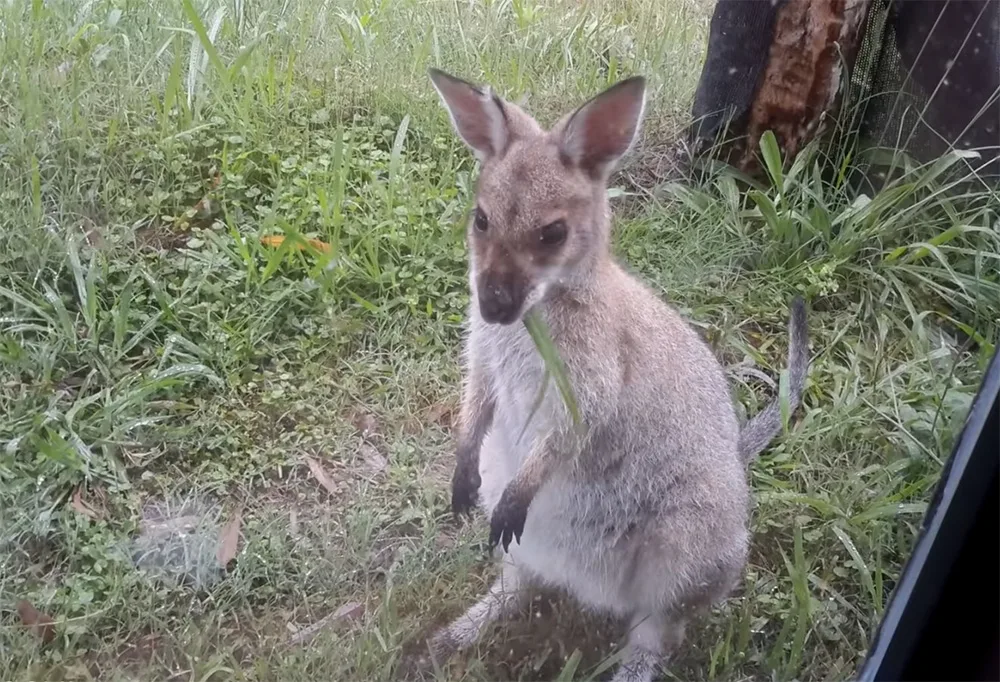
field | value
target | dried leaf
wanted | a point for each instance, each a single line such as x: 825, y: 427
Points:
x: 82, y: 507
x: 374, y: 461
x: 229, y: 539
x: 349, y: 611
x: 352, y: 610
x: 318, y: 245
x: 321, y: 476
x: 276, y: 240
x: 40, y: 624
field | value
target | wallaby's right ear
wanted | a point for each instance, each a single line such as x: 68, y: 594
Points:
x: 476, y: 113
x: 601, y: 131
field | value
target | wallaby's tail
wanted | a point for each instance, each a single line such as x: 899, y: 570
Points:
x: 759, y: 431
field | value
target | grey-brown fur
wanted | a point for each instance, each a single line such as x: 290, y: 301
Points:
x: 761, y: 430
x: 644, y: 514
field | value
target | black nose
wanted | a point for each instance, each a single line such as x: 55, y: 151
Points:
x: 496, y: 304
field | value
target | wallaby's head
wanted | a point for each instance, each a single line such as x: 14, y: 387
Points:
x: 541, y: 219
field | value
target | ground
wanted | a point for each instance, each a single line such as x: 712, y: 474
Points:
x: 212, y: 442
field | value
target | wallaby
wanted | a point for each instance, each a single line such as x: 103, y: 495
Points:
x: 643, y: 512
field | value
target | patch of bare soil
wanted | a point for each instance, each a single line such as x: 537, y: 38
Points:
x: 533, y: 646
x: 538, y: 647
x: 158, y: 237
x: 659, y: 156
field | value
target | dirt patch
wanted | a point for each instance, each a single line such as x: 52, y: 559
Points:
x: 660, y: 156
x: 654, y: 162
x: 159, y: 237
x: 535, y: 645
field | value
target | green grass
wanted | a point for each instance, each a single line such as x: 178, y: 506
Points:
x: 159, y: 358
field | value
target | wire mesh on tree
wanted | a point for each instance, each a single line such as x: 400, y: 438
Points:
x: 933, y: 78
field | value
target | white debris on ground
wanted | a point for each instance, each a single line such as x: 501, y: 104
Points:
x: 179, y: 539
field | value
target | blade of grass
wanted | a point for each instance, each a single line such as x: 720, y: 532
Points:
x: 539, y: 333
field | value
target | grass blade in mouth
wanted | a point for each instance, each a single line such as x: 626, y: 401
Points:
x: 554, y: 365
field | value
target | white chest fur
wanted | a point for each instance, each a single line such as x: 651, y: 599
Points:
x: 556, y: 545
x: 516, y: 374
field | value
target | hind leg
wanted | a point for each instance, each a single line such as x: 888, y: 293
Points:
x: 651, y: 638
x: 504, y: 598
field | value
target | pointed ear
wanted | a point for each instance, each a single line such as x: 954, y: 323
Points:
x: 477, y: 114
x: 600, y: 132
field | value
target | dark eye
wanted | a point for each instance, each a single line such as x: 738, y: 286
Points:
x: 553, y: 233
x: 480, y: 221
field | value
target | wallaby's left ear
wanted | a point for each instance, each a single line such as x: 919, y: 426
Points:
x: 602, y: 130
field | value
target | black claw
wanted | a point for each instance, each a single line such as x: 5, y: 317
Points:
x: 508, y: 520
x: 465, y: 484
x: 462, y: 507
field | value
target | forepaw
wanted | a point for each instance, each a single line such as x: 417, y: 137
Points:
x: 508, y: 519
x: 465, y: 484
